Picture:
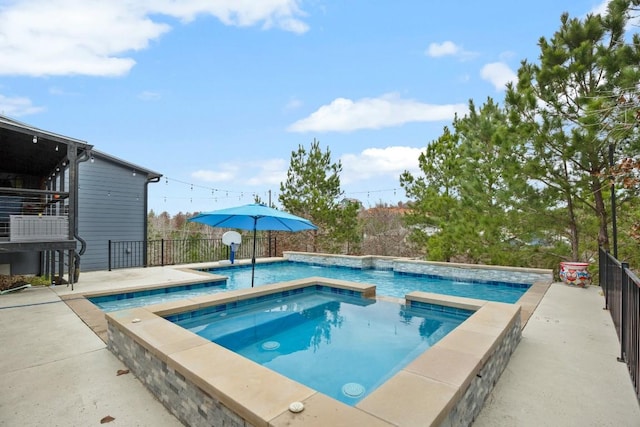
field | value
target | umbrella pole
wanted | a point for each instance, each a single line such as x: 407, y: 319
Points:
x: 253, y: 257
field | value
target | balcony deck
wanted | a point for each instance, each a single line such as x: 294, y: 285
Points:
x: 36, y: 246
x: 34, y: 220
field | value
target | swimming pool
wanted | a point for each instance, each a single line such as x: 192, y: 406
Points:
x: 124, y: 300
x: 388, y: 283
x: 342, y: 346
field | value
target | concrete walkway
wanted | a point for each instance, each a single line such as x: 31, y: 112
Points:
x: 564, y: 372
x: 55, y: 371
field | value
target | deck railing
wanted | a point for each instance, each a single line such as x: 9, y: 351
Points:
x: 153, y: 253
x: 33, y: 215
x: 621, y: 289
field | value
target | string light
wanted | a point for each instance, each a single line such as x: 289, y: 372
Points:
x: 215, y: 195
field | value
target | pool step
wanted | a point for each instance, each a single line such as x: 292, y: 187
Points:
x: 239, y: 330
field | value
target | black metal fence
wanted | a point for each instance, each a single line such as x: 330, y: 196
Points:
x: 153, y: 253
x: 621, y: 289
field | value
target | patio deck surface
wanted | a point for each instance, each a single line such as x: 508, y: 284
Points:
x: 56, y: 371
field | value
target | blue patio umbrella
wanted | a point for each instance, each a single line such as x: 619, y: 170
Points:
x: 254, y: 217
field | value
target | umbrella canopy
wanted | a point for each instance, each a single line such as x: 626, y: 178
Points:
x: 254, y: 217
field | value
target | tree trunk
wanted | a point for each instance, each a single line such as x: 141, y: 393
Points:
x: 573, y: 233
x: 601, y: 212
x: 574, y: 237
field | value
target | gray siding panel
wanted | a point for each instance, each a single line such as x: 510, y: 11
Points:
x: 110, y: 207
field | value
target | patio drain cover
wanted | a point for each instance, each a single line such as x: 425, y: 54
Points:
x: 353, y: 390
x: 270, y: 345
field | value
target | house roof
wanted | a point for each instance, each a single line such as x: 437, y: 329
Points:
x: 50, y: 150
x: 139, y: 169
x: 33, y: 151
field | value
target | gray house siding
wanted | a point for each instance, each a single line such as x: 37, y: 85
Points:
x: 111, y: 206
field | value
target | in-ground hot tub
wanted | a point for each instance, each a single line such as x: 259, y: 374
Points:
x: 203, y: 383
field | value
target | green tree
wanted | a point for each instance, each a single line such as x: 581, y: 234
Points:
x: 435, y: 199
x: 347, y: 235
x: 466, y: 194
x: 312, y: 190
x: 566, y: 112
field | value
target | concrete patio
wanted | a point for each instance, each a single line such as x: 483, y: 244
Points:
x: 57, y: 372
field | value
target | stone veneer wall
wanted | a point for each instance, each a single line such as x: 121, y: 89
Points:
x: 471, y: 403
x: 195, y: 407
x: 440, y: 269
x: 188, y: 402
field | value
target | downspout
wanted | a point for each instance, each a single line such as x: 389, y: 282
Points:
x: 83, y: 244
x: 146, y: 216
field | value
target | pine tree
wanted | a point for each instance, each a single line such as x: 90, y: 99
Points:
x: 567, y: 111
x: 312, y: 191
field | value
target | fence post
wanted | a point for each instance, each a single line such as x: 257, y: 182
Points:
x: 109, y: 256
x: 162, y: 252
x: 607, y: 279
x: 624, y: 285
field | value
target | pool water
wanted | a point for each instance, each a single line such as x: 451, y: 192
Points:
x: 387, y: 283
x: 126, y: 300
x: 344, y: 347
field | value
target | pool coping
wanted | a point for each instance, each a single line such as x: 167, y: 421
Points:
x: 93, y: 317
x: 444, y: 374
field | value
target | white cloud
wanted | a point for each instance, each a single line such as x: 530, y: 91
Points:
x: 344, y: 115
x: 600, y: 9
x: 18, y: 106
x: 507, y: 55
x: 373, y: 162
x: 448, y: 48
x: 148, y: 95
x: 93, y: 37
x: 603, y: 8
x: 258, y: 173
x: 293, y: 104
x: 442, y: 49
x: 58, y: 91
x: 498, y: 74
x: 268, y: 172
x: 224, y: 174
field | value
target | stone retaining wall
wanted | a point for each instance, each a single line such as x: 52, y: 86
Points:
x: 150, y: 347
x: 471, y: 403
x: 188, y: 402
x: 467, y: 272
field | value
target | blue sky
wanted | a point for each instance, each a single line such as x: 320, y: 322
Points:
x: 216, y: 94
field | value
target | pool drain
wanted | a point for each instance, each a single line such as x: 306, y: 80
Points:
x: 270, y: 345
x: 353, y: 390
